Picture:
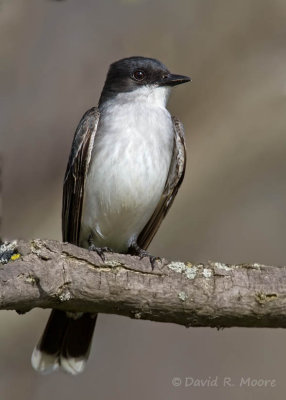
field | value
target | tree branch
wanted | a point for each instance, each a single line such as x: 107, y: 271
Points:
x: 50, y: 274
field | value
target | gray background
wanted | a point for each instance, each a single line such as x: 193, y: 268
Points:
x: 231, y: 208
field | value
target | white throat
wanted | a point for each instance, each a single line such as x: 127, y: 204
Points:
x: 151, y: 95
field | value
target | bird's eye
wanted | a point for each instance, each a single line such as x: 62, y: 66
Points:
x: 139, y: 75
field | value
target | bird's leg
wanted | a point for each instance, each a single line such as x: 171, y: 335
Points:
x: 99, y: 250
x: 135, y: 250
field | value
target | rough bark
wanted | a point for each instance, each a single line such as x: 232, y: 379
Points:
x: 50, y: 274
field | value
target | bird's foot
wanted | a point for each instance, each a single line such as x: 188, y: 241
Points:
x: 100, y: 250
x: 135, y: 250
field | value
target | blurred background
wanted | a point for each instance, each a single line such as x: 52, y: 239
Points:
x: 231, y: 207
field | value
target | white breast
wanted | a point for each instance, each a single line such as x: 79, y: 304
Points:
x: 130, y: 163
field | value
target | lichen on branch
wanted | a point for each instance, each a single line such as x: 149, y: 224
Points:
x: 51, y: 274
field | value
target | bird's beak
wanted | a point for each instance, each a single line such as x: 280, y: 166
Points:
x: 173, y: 80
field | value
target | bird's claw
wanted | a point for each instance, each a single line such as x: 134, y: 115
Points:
x: 135, y: 250
x: 100, y: 250
x: 153, y: 260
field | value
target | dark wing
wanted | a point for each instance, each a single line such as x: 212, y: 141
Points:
x: 76, y: 172
x: 174, y: 180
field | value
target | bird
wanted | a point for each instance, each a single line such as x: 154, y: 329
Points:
x: 125, y: 167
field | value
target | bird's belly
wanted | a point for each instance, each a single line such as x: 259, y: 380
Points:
x: 123, y: 188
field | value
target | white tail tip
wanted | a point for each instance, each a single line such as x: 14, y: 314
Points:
x: 73, y: 366
x: 44, y: 363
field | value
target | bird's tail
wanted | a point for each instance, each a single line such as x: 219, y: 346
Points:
x: 65, y: 343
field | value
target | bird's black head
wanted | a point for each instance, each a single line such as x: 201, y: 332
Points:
x: 130, y: 73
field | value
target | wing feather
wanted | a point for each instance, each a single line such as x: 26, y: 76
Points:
x: 174, y: 180
x: 75, y: 176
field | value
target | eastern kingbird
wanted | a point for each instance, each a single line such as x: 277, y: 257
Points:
x: 125, y: 167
